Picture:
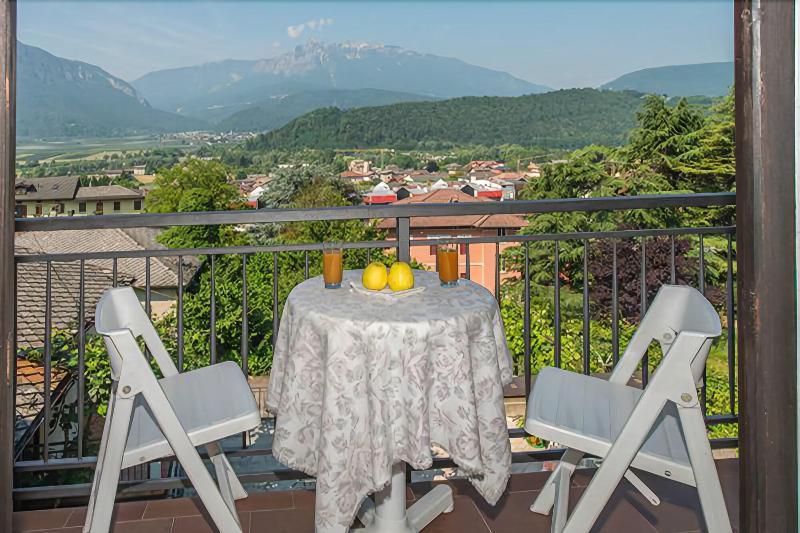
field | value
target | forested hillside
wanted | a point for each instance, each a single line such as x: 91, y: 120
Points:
x: 561, y: 119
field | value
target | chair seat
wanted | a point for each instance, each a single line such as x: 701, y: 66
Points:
x: 211, y: 403
x: 588, y: 413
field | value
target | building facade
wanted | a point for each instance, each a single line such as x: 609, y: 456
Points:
x: 64, y: 196
x: 483, y: 257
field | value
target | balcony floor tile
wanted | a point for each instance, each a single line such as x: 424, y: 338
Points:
x: 292, y: 512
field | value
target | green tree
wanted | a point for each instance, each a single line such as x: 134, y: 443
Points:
x: 196, y: 185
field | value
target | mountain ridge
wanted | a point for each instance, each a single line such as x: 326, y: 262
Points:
x: 277, y: 111
x: 60, y: 97
x: 706, y: 79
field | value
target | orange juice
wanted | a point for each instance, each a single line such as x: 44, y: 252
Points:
x: 447, y: 264
x: 332, y: 268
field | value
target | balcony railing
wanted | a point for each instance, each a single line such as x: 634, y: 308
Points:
x: 36, y: 471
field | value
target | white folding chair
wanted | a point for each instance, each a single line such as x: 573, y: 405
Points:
x: 150, y: 418
x: 660, y: 429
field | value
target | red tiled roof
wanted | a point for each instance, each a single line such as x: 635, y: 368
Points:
x: 444, y: 196
x: 490, y: 193
x: 379, y: 198
x: 352, y: 174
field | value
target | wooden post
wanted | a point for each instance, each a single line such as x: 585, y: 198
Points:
x: 8, y: 50
x: 765, y: 221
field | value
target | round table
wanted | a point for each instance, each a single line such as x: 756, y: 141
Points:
x: 362, y: 384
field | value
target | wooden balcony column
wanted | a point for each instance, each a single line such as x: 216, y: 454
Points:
x: 767, y: 277
x: 8, y: 50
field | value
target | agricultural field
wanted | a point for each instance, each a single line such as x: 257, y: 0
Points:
x: 90, y: 149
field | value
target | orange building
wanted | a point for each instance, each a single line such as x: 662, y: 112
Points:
x: 482, y: 256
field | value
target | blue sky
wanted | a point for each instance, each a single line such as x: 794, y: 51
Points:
x: 556, y: 43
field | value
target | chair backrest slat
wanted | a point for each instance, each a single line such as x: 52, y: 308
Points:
x: 676, y: 308
x: 118, y: 309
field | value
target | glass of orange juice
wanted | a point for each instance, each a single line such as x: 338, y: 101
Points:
x: 332, y: 264
x: 447, y: 264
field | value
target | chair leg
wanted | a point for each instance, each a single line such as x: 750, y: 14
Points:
x: 236, y: 486
x: 104, y: 489
x: 544, y: 502
x: 615, y: 464
x: 224, y: 518
x: 98, y: 469
x: 705, y: 472
x: 561, y: 508
x: 215, y: 449
x: 224, y: 484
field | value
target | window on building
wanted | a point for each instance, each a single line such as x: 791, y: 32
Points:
x: 433, y: 250
x: 60, y: 207
x: 81, y: 207
x: 39, y: 209
x: 137, y: 205
x: 98, y: 208
x: 117, y: 206
x: 22, y: 211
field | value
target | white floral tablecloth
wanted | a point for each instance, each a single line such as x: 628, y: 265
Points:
x: 359, y: 384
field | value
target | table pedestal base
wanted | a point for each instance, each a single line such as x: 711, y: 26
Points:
x: 388, y: 513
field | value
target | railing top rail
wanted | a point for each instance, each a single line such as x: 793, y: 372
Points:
x: 389, y: 243
x: 261, y: 216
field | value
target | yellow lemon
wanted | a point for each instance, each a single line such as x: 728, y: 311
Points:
x: 401, y: 277
x: 374, y: 277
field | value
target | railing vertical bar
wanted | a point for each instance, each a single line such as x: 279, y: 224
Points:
x: 147, y: 293
x: 275, y: 317
x: 305, y: 266
x: 701, y: 273
x: 468, y: 266
x: 526, y: 323
x: 701, y: 284
x: 403, y: 239
x: 556, y: 308
x: 586, y: 330
x: 643, y: 304
x: 147, y: 297
x: 729, y: 309
x: 213, y: 325
x: 48, y: 308
x: 180, y: 313
x: 245, y: 331
x: 672, y: 276
x: 497, y: 268
x: 81, y: 353
x: 614, y: 304
x: 114, y: 272
x: 245, y: 320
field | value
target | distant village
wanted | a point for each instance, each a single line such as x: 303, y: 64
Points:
x: 491, y: 180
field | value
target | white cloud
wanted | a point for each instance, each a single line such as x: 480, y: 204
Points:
x: 295, y: 31
x: 312, y: 25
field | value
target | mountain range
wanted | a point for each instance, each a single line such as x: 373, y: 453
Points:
x: 235, y: 85
x: 62, y: 98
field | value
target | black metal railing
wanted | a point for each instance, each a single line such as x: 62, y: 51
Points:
x: 45, y: 460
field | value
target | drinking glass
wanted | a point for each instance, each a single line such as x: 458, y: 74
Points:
x: 447, y: 264
x: 332, y: 264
